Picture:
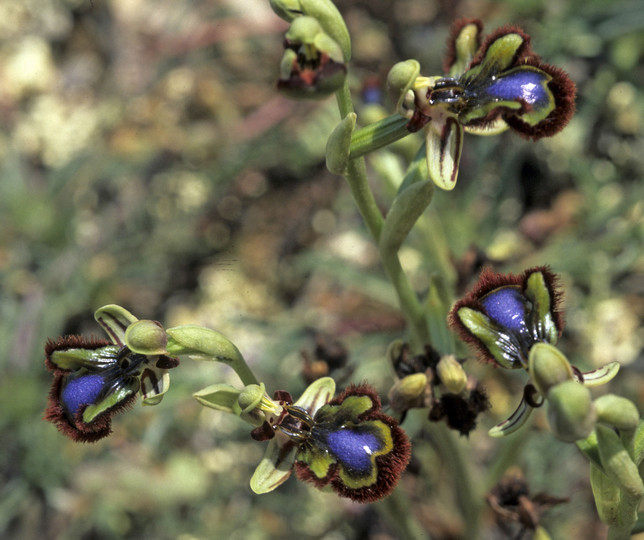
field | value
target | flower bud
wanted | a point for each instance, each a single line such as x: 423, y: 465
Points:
x: 548, y: 367
x: 400, y: 79
x: 571, y: 413
x: 146, y: 337
x: 408, y: 392
x: 451, y: 373
x: 313, y: 63
x: 616, y: 411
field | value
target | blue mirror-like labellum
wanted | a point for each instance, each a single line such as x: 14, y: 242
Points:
x: 527, y: 85
x: 507, y: 307
x: 505, y: 315
x: 79, y: 390
x: 354, y: 448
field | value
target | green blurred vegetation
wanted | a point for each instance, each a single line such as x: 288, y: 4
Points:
x: 146, y: 160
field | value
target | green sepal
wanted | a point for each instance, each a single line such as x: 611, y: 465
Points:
x: 74, y: 359
x: 249, y: 398
x: 444, y: 144
x: 606, y: 494
x: 274, y: 468
x: 325, y: 12
x: 617, y: 463
x: 221, y: 397
x: 378, y: 134
x: 338, y: 146
x: 114, y: 320
x: 616, y: 411
x: 125, y: 390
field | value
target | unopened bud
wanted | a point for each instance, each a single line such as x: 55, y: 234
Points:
x: 451, y: 373
x: 571, y: 413
x: 617, y: 411
x: 146, y: 337
x: 400, y: 79
x: 548, y: 367
x: 408, y: 392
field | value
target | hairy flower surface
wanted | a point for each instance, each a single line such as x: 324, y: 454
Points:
x: 492, y: 85
x: 514, y: 321
x: 346, y: 443
x: 95, y: 378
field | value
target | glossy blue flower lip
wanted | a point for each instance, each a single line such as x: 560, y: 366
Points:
x: 346, y: 443
x: 94, y: 379
x: 354, y: 447
x: 505, y: 315
x: 491, y: 85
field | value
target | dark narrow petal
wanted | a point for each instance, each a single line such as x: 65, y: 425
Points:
x: 463, y: 42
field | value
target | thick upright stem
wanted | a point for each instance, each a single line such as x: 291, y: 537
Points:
x: 365, y: 201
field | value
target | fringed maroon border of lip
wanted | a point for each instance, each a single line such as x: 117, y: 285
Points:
x: 77, y: 429
x: 490, y: 280
x: 564, y: 92
x: 390, y: 467
x: 455, y: 30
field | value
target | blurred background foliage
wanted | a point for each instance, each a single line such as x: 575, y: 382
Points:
x: 147, y: 160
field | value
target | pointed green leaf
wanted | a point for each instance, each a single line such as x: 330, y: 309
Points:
x: 115, y: 320
x: 606, y: 494
x: 444, y: 144
x: 275, y: 467
x: 616, y: 462
x: 407, y: 207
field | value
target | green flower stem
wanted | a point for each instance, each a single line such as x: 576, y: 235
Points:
x: 205, y: 344
x: 356, y: 176
x: 396, y: 508
x: 377, y: 135
x: 469, y: 499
